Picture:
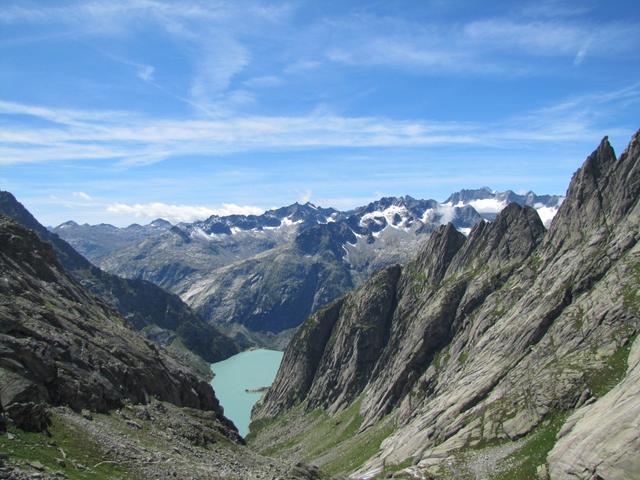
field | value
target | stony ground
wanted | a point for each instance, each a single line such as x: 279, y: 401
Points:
x: 156, y: 441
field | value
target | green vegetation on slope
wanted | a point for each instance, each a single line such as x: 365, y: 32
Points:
x: 602, y: 380
x: 631, y: 291
x: 332, y: 442
x: 68, y: 450
x: 395, y: 467
x: 522, y: 464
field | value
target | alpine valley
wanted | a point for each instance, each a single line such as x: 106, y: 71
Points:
x: 489, y: 336
x: 257, y: 278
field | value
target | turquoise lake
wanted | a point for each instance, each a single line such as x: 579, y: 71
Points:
x: 247, y: 370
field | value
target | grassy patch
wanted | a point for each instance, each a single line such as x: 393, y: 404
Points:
x: 325, y: 433
x: 522, y: 464
x: 353, y: 453
x: 395, y: 467
x: 418, y: 281
x: 578, y: 318
x: 441, y: 357
x: 535, y: 261
x: 80, y: 450
x: 332, y: 442
x: 602, y: 380
x: 193, y: 359
x: 464, y: 356
x: 257, y: 426
x: 631, y: 290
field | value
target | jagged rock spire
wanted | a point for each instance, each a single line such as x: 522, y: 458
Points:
x: 600, y: 194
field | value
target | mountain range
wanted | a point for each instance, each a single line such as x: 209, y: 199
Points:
x: 257, y: 277
x: 508, y: 351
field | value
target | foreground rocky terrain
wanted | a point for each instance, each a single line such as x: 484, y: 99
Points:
x: 508, y: 354
x: 258, y: 277
x: 85, y: 396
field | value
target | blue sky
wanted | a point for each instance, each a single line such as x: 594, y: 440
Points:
x: 121, y: 112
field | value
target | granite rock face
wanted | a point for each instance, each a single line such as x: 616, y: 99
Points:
x: 484, y: 339
x: 330, y: 366
x: 59, y: 345
x: 602, y: 440
x: 140, y: 302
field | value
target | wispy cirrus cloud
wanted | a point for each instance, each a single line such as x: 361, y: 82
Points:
x: 221, y: 38
x: 489, y: 46
x: 210, y: 34
x: 146, y: 211
x: 130, y: 138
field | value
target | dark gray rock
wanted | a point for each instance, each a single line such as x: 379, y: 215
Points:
x: 29, y: 416
x: 3, y: 420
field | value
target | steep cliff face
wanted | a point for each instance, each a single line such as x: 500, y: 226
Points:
x: 61, y: 346
x: 144, y: 305
x: 331, y: 366
x: 492, y: 338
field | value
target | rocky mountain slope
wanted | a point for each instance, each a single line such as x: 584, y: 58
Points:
x: 256, y: 276
x: 62, y: 346
x: 163, y: 316
x: 111, y: 403
x: 477, y: 358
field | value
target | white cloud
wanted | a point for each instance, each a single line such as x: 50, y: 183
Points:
x: 495, y: 45
x: 219, y: 63
x: 580, y: 56
x: 554, y: 9
x: 130, y: 139
x: 233, y: 209
x: 306, y: 196
x: 145, y: 72
x: 82, y: 196
x: 211, y: 33
x: 180, y: 213
x: 303, y: 66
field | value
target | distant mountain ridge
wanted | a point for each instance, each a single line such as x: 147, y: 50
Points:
x: 367, y: 219
x: 97, y: 241
x: 489, y: 202
x: 261, y: 275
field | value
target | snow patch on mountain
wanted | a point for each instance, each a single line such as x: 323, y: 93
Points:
x: 546, y: 213
x: 389, y: 214
x: 287, y: 222
x: 486, y: 205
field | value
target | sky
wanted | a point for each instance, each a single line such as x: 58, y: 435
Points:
x: 126, y: 111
